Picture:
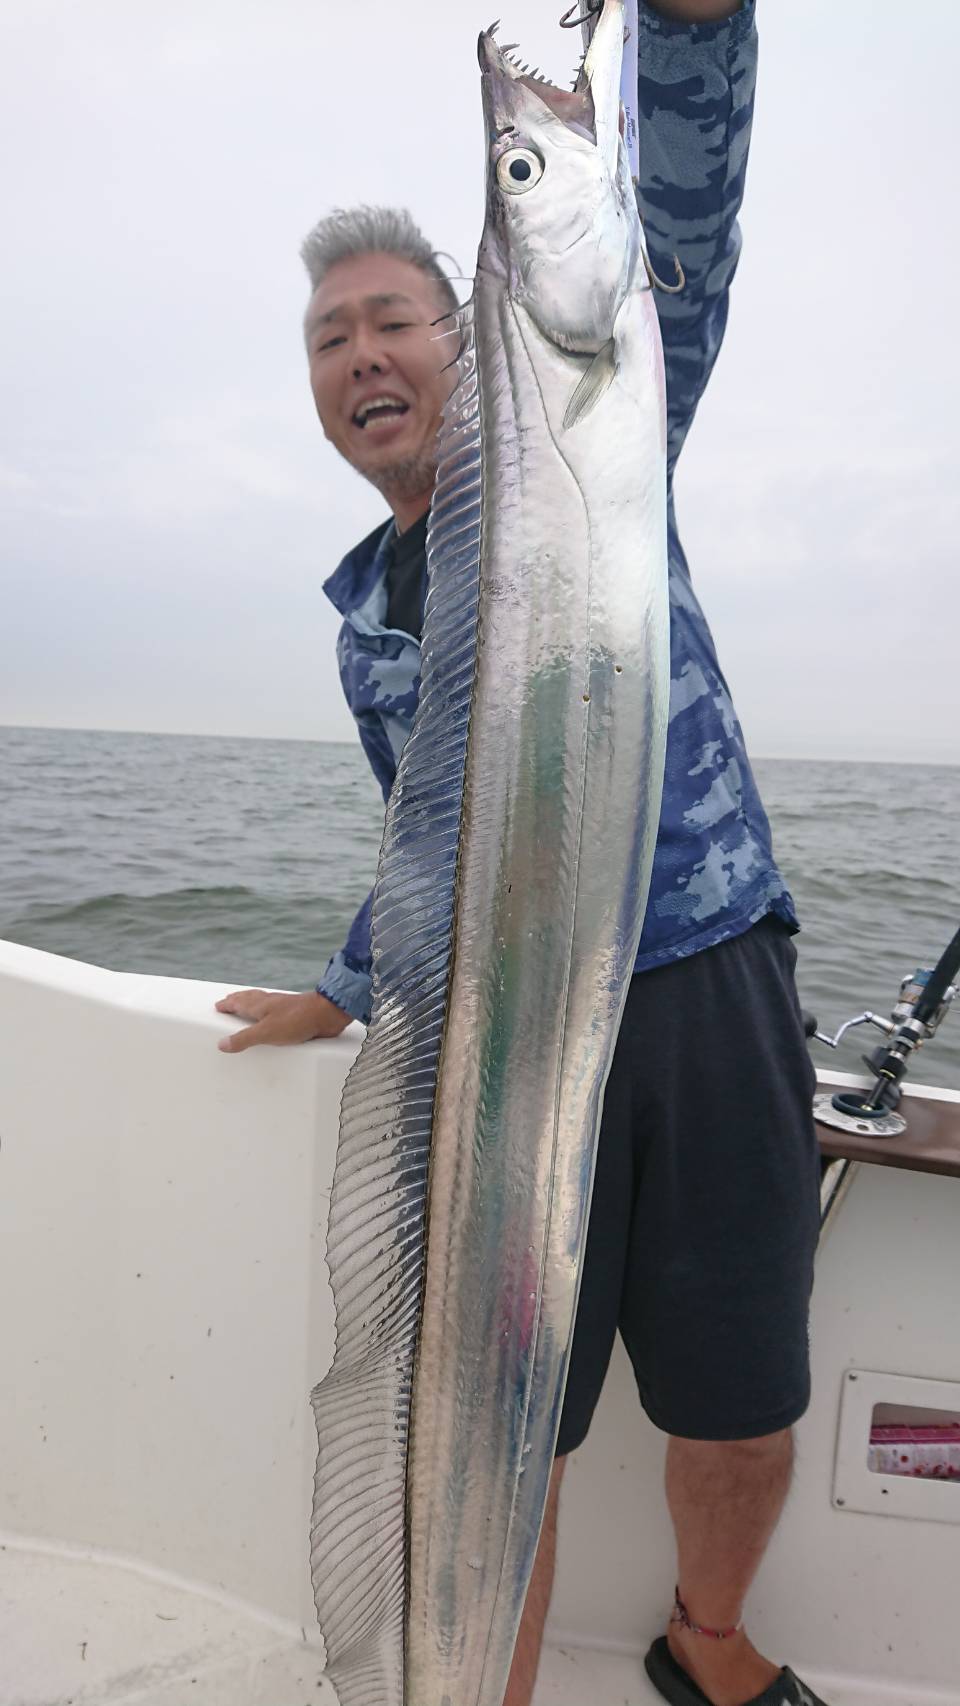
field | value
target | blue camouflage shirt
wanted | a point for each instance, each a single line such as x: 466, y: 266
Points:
x: 714, y: 873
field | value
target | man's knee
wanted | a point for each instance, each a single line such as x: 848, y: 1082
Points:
x: 733, y: 1459
x: 760, y: 1445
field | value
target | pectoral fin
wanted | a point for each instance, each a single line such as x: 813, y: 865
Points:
x: 597, y: 379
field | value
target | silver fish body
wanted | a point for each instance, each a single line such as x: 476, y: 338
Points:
x: 509, y: 902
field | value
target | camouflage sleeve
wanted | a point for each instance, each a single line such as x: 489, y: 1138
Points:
x: 695, y: 109
x: 347, y: 980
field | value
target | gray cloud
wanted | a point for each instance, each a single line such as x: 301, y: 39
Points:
x: 168, y: 506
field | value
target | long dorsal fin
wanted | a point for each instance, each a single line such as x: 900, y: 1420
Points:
x: 376, y: 1238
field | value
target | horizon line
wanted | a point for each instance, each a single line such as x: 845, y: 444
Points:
x: 320, y: 740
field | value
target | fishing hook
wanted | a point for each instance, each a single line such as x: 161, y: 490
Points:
x: 445, y: 255
x: 569, y: 23
x: 658, y: 284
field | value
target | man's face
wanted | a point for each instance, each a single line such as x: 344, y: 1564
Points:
x: 376, y: 361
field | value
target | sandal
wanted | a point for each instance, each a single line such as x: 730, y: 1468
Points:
x: 674, y: 1683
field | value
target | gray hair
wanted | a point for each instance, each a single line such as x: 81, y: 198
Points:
x: 349, y: 231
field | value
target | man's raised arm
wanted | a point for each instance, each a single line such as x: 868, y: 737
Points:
x: 698, y: 61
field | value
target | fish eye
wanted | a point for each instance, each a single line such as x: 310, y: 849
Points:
x: 518, y: 169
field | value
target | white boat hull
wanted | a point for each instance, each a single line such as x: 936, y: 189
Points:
x: 166, y: 1312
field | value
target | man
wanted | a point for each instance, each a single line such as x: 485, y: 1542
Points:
x: 705, y: 1211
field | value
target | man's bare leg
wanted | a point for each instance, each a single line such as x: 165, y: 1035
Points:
x: 526, y: 1654
x: 725, y: 1499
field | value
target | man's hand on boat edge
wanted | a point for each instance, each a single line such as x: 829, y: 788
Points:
x: 278, y: 1019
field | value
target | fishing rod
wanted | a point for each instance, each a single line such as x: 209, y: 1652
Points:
x: 921, y: 1006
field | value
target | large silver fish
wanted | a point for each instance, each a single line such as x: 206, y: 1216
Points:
x: 509, y: 900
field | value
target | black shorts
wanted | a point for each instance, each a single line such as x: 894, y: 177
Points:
x: 706, y: 1201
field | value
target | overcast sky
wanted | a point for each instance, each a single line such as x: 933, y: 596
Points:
x: 168, y: 505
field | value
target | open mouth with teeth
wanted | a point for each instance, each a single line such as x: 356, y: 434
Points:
x: 377, y: 409
x: 591, y: 109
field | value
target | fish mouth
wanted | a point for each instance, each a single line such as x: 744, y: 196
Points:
x: 590, y: 110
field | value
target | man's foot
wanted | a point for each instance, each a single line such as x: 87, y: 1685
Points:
x: 683, y: 1680
x: 729, y: 1673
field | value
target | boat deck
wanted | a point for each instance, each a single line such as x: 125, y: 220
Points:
x: 82, y: 1633
x: 76, y: 1632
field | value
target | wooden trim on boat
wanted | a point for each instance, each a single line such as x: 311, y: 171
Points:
x: 930, y: 1144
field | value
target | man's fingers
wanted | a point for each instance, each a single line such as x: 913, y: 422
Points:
x: 250, y: 1004
x: 237, y: 1041
x: 239, y: 1001
x: 276, y: 1018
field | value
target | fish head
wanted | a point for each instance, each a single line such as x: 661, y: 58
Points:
x: 562, y: 230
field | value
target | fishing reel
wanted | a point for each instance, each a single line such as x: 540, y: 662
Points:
x: 919, y: 1011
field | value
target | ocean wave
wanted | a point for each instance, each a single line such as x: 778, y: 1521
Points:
x: 155, y: 903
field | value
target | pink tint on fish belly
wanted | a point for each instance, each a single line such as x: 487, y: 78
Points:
x: 659, y: 372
